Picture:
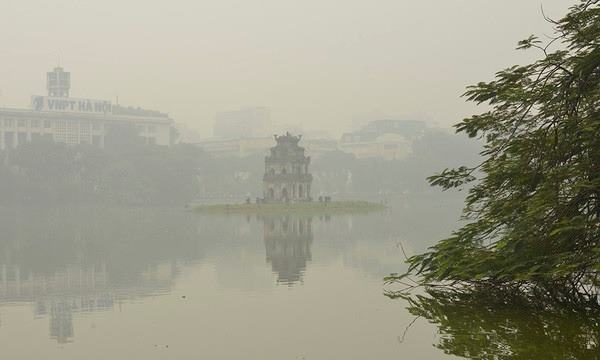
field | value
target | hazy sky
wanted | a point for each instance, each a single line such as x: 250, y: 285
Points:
x: 319, y: 63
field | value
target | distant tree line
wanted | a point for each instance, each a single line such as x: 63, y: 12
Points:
x: 339, y: 172
x: 129, y: 172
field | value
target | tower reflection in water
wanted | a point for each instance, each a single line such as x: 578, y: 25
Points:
x: 82, y: 260
x: 288, y: 239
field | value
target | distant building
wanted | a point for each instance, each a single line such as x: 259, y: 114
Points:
x: 246, y: 122
x: 63, y: 119
x: 386, y: 139
x: 318, y: 147
x: 240, y: 147
x: 247, y: 146
x: 286, y: 172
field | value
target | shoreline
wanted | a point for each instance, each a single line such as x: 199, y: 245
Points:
x: 300, y: 207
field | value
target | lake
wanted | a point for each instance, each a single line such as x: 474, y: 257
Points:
x: 145, y: 283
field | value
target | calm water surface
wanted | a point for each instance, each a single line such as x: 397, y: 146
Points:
x: 114, y: 283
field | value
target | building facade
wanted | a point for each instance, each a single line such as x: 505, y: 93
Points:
x: 248, y: 146
x: 236, y: 148
x: 63, y: 119
x: 383, y: 139
x: 286, y: 177
x: 246, y: 122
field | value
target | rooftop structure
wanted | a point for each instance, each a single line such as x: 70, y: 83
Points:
x: 58, y: 82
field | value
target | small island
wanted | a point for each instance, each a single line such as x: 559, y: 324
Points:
x: 333, y: 207
x: 287, y: 186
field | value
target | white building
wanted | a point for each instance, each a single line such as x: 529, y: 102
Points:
x: 245, y: 122
x: 247, y: 146
x: 60, y: 118
x: 384, y: 139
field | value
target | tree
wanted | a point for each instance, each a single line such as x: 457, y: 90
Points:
x: 533, y: 208
x: 488, y: 325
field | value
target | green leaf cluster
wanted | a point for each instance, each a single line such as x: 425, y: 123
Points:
x: 533, y: 209
x: 483, y: 324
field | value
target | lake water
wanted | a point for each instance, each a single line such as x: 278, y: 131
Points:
x: 114, y: 283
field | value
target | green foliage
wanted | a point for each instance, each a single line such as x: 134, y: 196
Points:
x: 129, y: 173
x: 533, y: 213
x: 480, y: 324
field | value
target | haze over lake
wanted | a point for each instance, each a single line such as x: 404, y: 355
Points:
x: 304, y: 180
x: 100, y: 282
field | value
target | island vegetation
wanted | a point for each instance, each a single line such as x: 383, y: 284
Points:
x: 312, y: 207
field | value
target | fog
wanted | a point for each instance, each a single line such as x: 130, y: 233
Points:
x: 324, y: 64
x: 235, y: 179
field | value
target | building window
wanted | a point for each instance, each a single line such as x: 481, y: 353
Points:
x: 84, y: 132
x: 35, y: 123
x: 47, y: 124
x: 140, y: 128
x: 60, y: 132
x: 9, y: 139
x: 84, y: 128
x: 9, y: 123
x: 72, y: 133
x: 22, y: 123
x: 96, y: 126
x: 22, y: 138
x: 152, y: 141
x: 151, y: 129
x: 38, y: 138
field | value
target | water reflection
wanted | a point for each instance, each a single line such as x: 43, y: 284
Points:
x: 85, y: 271
x: 485, y: 325
x: 288, y: 239
x: 84, y: 260
x: 61, y: 321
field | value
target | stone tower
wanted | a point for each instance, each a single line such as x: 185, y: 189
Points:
x: 286, y: 176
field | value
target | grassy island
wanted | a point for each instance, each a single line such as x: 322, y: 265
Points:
x: 333, y: 207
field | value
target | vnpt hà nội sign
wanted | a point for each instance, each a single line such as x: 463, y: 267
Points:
x: 60, y: 104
